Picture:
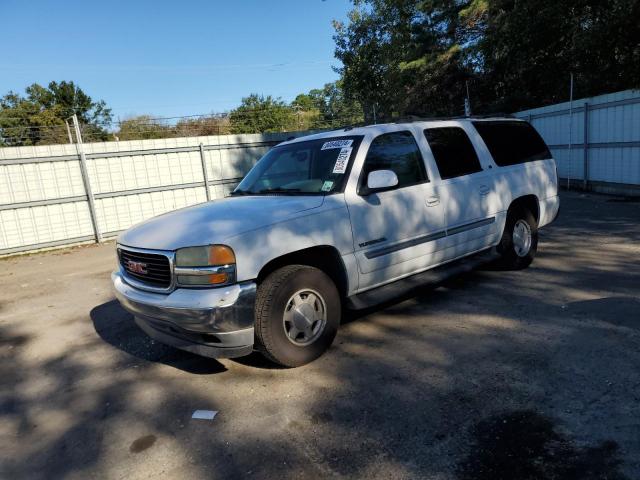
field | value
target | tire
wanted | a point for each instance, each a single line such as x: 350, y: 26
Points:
x: 516, y: 252
x: 297, y: 315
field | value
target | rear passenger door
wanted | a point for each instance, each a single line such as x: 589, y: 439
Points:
x: 466, y: 189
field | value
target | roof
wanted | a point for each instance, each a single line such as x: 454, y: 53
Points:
x: 381, y: 127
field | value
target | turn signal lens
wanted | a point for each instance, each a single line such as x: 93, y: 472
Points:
x: 217, y: 278
x: 213, y: 279
x: 221, y: 255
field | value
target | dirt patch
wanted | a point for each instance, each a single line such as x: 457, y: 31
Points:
x: 143, y: 443
x: 9, y: 340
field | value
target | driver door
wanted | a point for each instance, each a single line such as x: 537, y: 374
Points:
x: 396, y: 231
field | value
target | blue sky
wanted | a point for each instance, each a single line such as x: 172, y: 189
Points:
x: 170, y: 58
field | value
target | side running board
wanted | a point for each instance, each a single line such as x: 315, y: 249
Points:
x: 434, y: 276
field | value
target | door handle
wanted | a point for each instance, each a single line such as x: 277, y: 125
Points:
x: 484, y: 190
x: 433, y: 201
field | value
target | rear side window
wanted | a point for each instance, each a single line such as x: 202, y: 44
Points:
x: 453, y: 151
x: 512, y: 142
x: 399, y: 152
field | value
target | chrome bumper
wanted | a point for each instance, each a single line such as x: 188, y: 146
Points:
x: 213, y: 322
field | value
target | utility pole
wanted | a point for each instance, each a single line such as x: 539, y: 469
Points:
x: 85, y: 178
x: 297, y: 109
x: 467, y: 102
x: 68, y: 131
x: 76, y: 127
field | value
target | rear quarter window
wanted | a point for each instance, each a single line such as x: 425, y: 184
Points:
x: 512, y: 142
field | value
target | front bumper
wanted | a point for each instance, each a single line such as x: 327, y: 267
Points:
x: 212, y: 322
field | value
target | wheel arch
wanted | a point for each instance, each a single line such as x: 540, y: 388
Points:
x: 530, y: 202
x: 322, y: 257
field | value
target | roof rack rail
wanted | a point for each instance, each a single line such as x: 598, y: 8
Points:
x: 417, y: 118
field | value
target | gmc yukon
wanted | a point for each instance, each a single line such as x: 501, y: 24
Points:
x: 341, y: 219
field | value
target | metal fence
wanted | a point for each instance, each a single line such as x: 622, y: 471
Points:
x: 65, y: 194
x: 596, y: 141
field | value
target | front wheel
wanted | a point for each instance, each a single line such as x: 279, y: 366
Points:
x: 297, y: 315
x: 519, y: 242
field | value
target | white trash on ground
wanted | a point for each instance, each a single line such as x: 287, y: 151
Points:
x: 204, y: 414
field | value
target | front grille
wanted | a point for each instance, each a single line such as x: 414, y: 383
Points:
x: 155, y: 268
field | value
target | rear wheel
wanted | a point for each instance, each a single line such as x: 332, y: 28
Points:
x: 297, y: 315
x: 519, y: 242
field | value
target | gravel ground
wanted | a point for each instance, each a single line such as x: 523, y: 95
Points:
x: 493, y: 375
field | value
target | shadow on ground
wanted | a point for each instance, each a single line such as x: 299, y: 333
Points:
x: 116, y: 327
x: 525, y: 445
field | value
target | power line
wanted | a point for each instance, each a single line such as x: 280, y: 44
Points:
x: 186, y: 68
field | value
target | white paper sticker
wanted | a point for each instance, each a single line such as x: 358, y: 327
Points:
x: 204, y: 414
x: 341, y: 161
x: 336, y: 144
x: 327, y: 185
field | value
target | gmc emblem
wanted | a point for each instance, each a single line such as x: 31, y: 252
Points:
x: 137, y: 267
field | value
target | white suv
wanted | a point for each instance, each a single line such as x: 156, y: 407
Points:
x: 347, y: 218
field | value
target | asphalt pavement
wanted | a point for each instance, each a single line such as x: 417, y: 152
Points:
x: 492, y: 375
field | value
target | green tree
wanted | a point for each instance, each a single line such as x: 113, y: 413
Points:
x: 337, y: 108
x: 416, y: 56
x: 38, y: 117
x: 371, y: 46
x: 527, y: 50
x: 327, y: 108
x: 260, y: 114
x: 310, y: 101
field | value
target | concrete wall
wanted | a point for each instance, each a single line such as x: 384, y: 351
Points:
x: 604, y: 136
x: 43, y: 196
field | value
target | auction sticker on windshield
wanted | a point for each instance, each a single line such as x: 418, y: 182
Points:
x: 341, y: 161
x: 336, y: 144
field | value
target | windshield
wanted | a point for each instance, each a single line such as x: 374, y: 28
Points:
x: 312, y: 167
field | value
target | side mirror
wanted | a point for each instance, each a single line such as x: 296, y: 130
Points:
x: 381, y: 180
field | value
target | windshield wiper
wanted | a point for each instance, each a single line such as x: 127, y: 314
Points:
x: 241, y: 192
x: 279, y: 190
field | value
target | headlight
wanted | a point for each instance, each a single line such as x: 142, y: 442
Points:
x: 209, y: 265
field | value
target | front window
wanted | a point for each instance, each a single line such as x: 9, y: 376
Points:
x: 398, y: 152
x: 312, y: 167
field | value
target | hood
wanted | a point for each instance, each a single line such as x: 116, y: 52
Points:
x: 215, y: 221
